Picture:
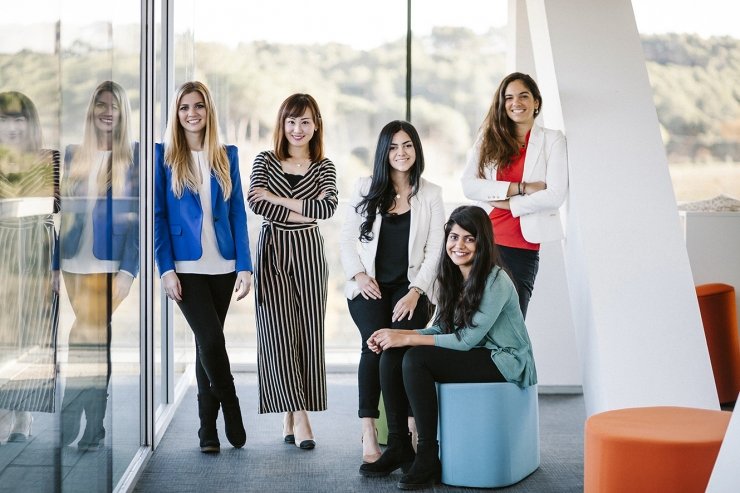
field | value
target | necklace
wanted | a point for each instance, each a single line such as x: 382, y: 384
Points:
x: 301, y: 164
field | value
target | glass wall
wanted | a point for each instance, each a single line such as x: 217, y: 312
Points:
x: 693, y: 59
x: 69, y: 321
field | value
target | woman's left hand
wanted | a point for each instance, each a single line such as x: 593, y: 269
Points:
x: 243, y: 283
x: 387, y: 338
x: 259, y: 194
x: 121, y: 285
x: 406, y: 305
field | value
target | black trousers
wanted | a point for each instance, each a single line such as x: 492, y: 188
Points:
x: 205, y: 301
x: 408, y: 376
x: 369, y: 316
x: 523, y: 265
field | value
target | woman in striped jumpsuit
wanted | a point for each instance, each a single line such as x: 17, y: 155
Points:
x: 292, y: 187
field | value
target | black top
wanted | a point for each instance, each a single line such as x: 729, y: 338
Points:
x: 293, y: 179
x: 392, y: 256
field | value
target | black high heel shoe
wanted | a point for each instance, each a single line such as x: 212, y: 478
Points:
x: 426, y: 470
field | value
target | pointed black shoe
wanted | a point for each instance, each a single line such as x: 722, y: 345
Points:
x: 426, y: 470
x: 399, y: 453
x: 208, y: 433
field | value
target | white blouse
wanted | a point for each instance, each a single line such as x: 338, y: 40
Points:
x: 211, y: 262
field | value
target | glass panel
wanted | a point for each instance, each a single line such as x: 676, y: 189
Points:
x: 355, y: 70
x: 99, y: 322
x: 29, y: 166
x: 692, y: 60
x: 458, y: 60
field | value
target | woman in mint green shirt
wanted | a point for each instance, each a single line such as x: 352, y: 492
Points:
x: 478, y: 336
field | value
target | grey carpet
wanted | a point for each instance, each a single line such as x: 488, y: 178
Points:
x: 266, y: 464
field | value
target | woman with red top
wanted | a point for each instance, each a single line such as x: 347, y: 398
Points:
x: 519, y: 174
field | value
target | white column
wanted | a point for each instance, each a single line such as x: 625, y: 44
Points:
x: 639, y: 333
x: 519, y: 56
x: 726, y: 475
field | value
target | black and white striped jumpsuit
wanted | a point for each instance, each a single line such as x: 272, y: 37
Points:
x: 291, y: 277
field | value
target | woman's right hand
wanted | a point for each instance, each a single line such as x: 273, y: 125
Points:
x: 369, y: 287
x: 172, y: 288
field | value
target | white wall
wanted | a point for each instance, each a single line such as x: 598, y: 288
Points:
x: 636, y: 317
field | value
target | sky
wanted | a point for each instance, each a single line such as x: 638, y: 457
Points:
x: 362, y: 25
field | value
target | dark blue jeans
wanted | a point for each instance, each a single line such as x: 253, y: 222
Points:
x: 522, y: 266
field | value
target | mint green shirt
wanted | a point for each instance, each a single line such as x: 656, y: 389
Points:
x: 499, y: 326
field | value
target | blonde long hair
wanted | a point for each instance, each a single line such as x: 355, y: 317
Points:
x: 122, y: 152
x: 177, y: 153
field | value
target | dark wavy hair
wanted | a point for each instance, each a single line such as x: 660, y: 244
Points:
x: 499, y: 143
x: 458, y: 299
x: 382, y: 195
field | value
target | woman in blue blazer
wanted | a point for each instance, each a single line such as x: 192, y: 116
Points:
x: 202, y: 248
x: 98, y: 252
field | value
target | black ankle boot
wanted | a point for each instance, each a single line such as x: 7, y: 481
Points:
x: 208, y: 412
x: 399, y: 453
x: 233, y: 417
x: 426, y: 470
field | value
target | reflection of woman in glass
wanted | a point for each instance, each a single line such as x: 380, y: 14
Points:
x: 397, y: 216
x: 519, y: 173
x: 202, y: 248
x: 478, y: 336
x: 99, y: 250
x: 293, y: 186
x: 28, y: 186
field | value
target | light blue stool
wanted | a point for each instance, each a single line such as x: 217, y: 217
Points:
x: 488, y: 433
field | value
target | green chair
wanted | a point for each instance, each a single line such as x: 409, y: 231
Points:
x: 382, y: 424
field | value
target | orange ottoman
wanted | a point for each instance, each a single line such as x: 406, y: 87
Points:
x: 719, y: 316
x: 652, y: 449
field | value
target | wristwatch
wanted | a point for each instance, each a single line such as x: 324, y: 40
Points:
x: 419, y: 291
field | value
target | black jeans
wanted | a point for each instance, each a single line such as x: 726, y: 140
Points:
x: 523, y: 265
x: 408, y: 375
x: 369, y: 316
x: 205, y: 301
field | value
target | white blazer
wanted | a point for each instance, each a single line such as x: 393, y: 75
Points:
x: 426, y: 235
x: 546, y: 160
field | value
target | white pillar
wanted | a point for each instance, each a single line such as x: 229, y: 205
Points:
x: 639, y: 332
x: 726, y: 475
x: 519, y: 56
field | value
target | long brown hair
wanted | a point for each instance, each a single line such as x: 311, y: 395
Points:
x: 497, y: 135
x: 177, y: 152
x: 294, y: 107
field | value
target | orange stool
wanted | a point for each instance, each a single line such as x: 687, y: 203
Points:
x: 652, y: 449
x: 719, y: 316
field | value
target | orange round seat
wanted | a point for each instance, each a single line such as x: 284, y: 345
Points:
x: 652, y: 449
x: 719, y: 317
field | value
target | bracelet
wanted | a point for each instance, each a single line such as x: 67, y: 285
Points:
x: 519, y: 188
x: 419, y: 291
x: 522, y: 187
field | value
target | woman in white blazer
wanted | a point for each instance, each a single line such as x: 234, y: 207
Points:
x: 390, y: 246
x: 519, y: 174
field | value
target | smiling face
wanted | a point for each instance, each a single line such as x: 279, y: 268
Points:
x: 192, y: 113
x: 13, y: 130
x: 460, y: 247
x: 299, y: 130
x: 106, y: 112
x: 402, y: 154
x: 519, y: 103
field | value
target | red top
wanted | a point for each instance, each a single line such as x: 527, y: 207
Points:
x: 507, y: 230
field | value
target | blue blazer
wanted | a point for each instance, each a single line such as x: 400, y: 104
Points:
x: 178, y: 221
x: 115, y: 221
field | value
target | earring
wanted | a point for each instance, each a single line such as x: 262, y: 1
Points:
x: 536, y: 111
